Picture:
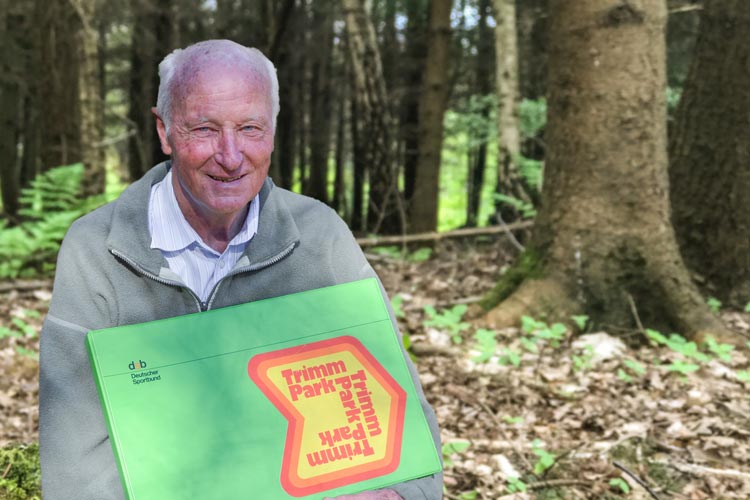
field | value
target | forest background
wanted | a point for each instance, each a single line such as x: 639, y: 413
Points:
x: 571, y: 177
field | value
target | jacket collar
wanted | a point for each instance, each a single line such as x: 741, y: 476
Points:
x: 129, y: 237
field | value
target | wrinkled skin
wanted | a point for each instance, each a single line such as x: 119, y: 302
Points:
x: 220, y: 141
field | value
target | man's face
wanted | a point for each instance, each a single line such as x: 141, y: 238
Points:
x: 220, y: 140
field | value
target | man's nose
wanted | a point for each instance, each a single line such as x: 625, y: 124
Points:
x: 228, y: 152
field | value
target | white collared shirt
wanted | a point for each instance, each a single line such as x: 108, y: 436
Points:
x: 199, y: 266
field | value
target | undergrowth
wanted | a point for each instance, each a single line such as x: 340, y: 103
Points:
x: 19, y: 473
x: 49, y: 205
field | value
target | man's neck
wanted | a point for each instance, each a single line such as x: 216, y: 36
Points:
x: 216, y: 232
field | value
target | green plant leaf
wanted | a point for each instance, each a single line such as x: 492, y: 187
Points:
x: 486, y: 344
x: 510, y: 357
x: 516, y: 485
x: 714, y: 304
x: 722, y: 351
x: 580, y: 321
x: 682, y: 367
x: 624, y: 376
x: 457, y: 446
x: 634, y: 366
x: 396, y: 303
x: 619, y: 483
x: 420, y: 255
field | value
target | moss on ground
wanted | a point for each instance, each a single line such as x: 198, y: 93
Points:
x: 20, y: 477
x: 527, y: 266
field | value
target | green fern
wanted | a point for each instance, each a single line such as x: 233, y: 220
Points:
x: 53, y: 200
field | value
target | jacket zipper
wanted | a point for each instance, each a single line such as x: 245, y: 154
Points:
x: 156, y: 278
x: 204, y: 306
x: 250, y: 268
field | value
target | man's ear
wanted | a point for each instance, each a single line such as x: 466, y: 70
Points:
x: 161, y: 129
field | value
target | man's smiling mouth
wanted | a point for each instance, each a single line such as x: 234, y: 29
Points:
x: 226, y: 179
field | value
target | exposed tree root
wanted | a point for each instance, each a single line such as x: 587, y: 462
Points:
x: 540, y: 298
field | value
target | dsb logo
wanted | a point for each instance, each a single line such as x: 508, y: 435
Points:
x: 137, y: 366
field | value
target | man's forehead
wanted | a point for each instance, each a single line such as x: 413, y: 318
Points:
x: 218, y: 72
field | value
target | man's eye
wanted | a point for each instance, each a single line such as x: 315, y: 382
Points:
x: 249, y: 128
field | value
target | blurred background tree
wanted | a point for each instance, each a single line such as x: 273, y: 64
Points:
x: 403, y: 115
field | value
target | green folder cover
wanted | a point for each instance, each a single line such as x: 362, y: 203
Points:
x: 302, y: 396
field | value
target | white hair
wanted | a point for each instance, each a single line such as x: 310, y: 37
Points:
x: 172, y: 69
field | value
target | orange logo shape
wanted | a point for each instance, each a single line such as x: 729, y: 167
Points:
x: 345, y: 413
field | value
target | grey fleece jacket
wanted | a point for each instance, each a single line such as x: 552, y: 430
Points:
x: 107, y: 275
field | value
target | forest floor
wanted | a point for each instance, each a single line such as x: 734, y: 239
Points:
x: 537, y: 410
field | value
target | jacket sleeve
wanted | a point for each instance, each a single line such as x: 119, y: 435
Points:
x: 76, y: 458
x: 351, y: 264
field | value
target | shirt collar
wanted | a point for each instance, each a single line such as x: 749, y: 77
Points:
x: 171, y: 232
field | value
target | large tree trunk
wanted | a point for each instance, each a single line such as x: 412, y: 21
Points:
x: 89, y: 93
x: 603, y: 242
x: 423, y: 206
x: 384, y: 209
x: 710, y: 154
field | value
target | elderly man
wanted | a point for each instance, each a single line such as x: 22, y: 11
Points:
x: 206, y: 230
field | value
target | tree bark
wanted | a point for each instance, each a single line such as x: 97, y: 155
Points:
x: 339, y: 193
x: 143, y: 66
x: 320, y: 101
x: 11, y: 76
x: 478, y: 157
x: 423, y: 206
x: 358, y: 219
x: 384, y: 208
x: 415, y: 54
x: 531, y: 17
x: 603, y: 238
x: 508, y: 136
x: 284, y: 54
x: 89, y: 93
x: 710, y: 154
x: 58, y: 91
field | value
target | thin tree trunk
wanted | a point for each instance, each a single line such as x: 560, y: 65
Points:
x: 360, y: 169
x: 285, y: 56
x: 339, y: 193
x: 59, y: 94
x: 478, y: 161
x: 603, y: 243
x: 143, y: 66
x: 531, y: 17
x: 89, y: 91
x: 508, y: 136
x: 415, y: 54
x: 10, y: 111
x: 423, y: 208
x: 320, y: 102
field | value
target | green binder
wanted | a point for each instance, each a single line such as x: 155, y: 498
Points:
x: 302, y: 396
